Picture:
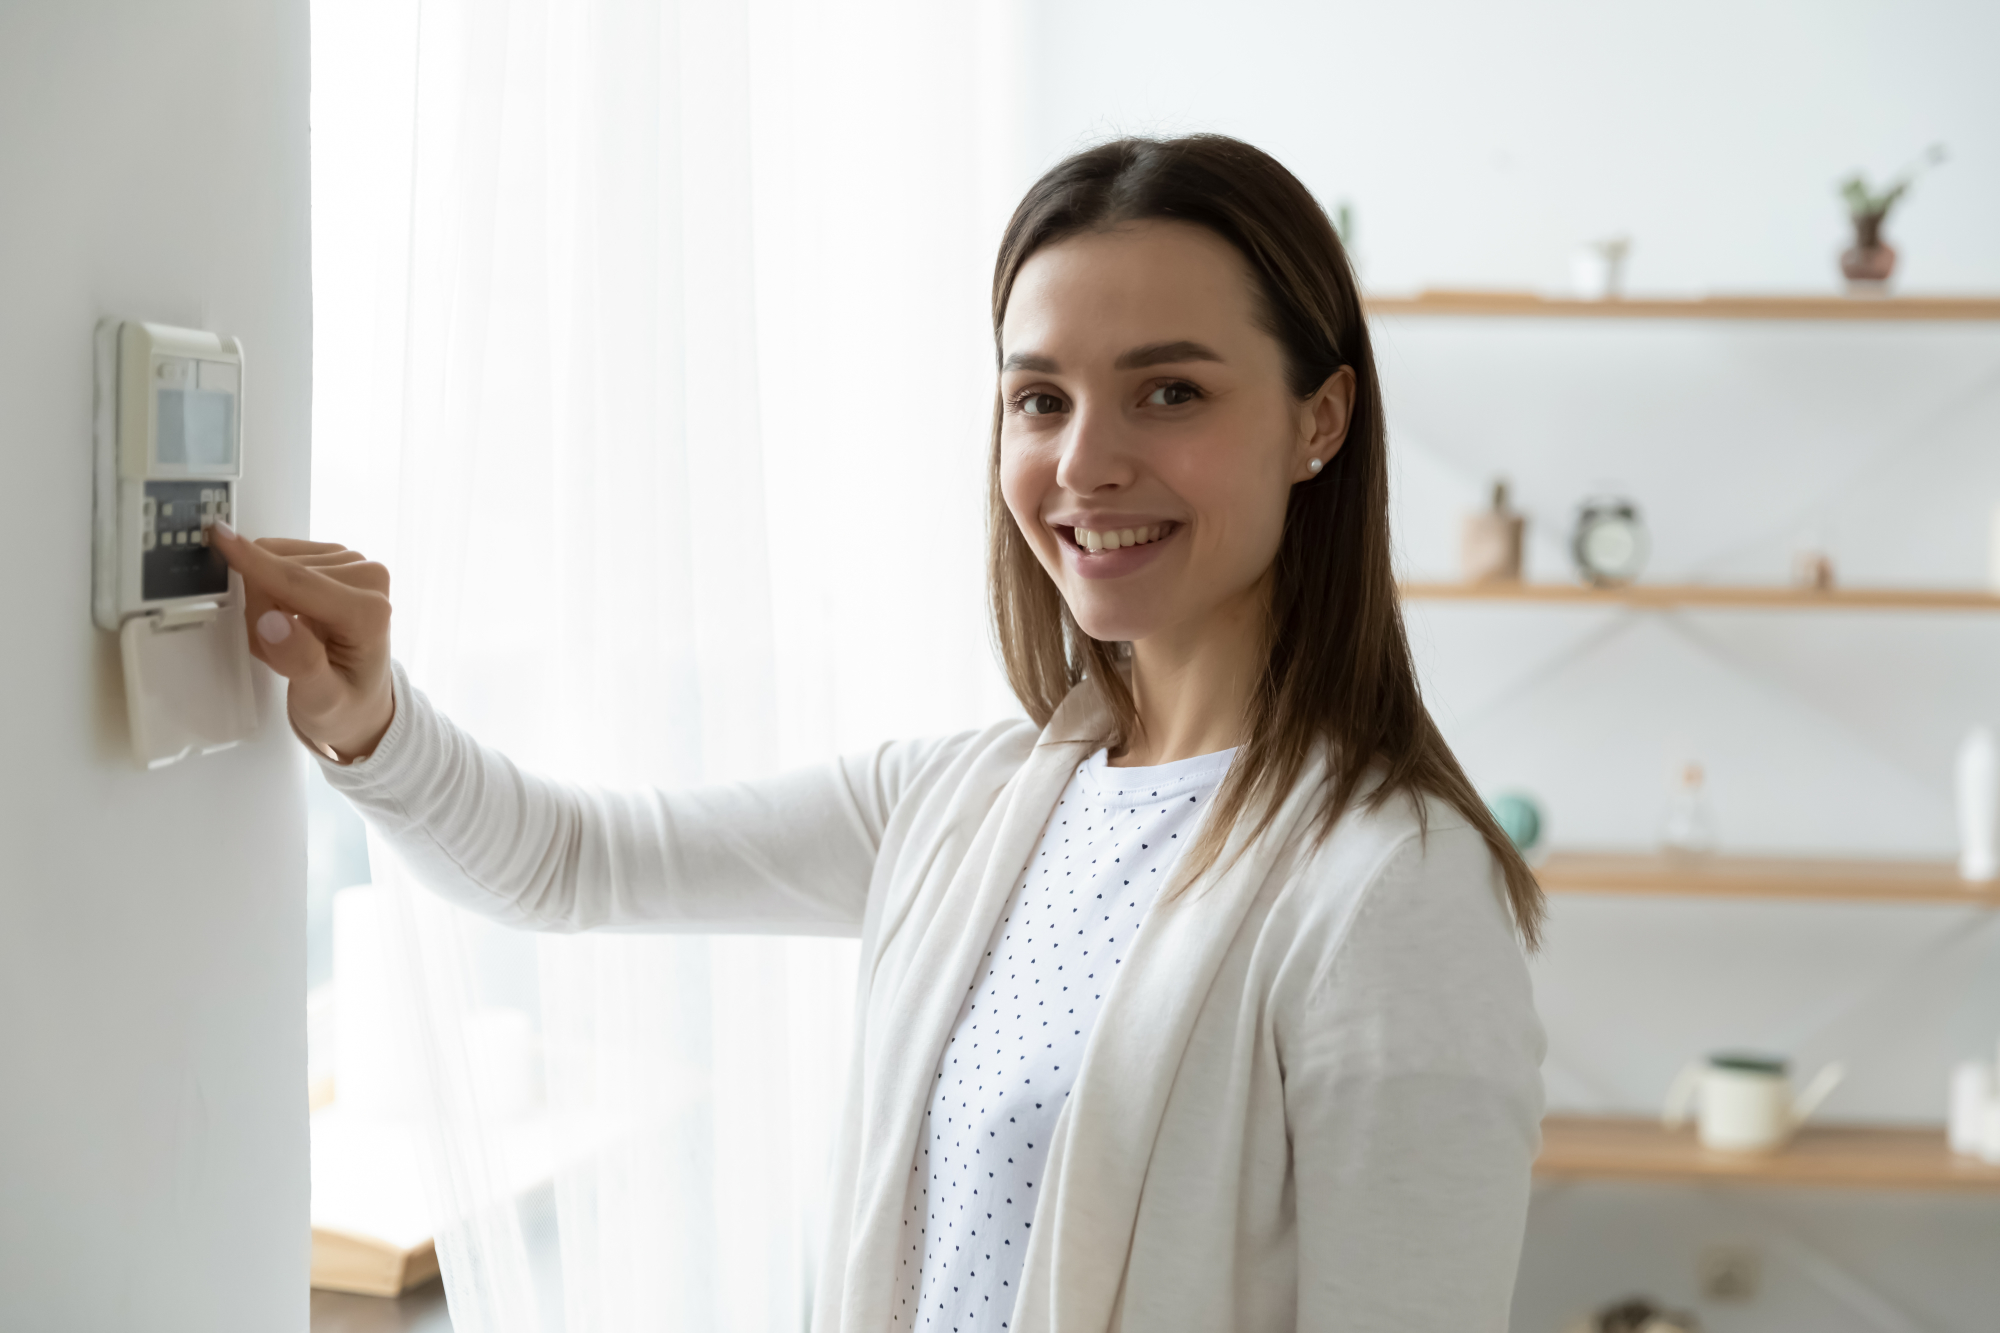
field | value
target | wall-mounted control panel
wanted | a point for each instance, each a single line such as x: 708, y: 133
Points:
x: 169, y: 445
x: 177, y: 396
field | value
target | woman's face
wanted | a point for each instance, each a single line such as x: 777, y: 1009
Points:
x: 1149, y: 441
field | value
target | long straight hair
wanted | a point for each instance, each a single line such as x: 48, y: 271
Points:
x: 1338, y: 672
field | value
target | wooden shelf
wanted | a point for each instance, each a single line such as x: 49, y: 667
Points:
x: 1784, y: 878
x: 1722, y: 596
x: 1828, y: 1156
x: 369, y: 1265
x: 1514, y: 305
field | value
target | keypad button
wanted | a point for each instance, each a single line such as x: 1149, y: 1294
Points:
x: 147, y: 541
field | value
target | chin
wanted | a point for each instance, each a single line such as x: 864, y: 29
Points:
x: 1112, y: 619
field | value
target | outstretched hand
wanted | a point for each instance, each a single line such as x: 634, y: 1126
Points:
x: 318, y: 615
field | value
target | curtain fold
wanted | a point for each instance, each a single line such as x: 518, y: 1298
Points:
x: 651, y: 358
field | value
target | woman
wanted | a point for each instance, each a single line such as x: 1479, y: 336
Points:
x: 1311, y: 1098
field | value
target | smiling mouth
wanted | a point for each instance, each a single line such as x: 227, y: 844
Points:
x: 1091, y: 541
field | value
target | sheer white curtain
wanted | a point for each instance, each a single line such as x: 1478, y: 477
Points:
x: 650, y: 356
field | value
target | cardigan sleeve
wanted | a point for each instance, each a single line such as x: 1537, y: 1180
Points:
x: 1413, y: 1098
x: 792, y: 854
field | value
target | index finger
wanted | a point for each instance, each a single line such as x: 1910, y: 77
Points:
x: 297, y: 546
x: 292, y: 585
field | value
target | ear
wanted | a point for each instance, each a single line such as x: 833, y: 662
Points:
x: 1323, y: 421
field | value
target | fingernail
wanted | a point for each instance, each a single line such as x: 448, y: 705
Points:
x: 274, y: 627
x: 223, y: 528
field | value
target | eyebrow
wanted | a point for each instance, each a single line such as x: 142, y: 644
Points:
x: 1153, y: 354
x: 1159, y: 354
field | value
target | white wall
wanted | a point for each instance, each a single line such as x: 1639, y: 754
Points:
x: 1479, y: 144
x: 152, y: 1044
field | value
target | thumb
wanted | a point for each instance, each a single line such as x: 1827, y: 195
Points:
x: 287, y: 645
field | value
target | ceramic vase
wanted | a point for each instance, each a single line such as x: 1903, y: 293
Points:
x: 1869, y: 261
x: 1489, y: 543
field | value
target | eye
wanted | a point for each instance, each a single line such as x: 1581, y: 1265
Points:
x: 1033, y: 404
x: 1174, y: 393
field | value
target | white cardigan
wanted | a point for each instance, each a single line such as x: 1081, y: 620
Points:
x: 1313, y: 1096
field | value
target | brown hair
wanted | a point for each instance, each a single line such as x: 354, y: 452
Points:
x: 1339, y: 670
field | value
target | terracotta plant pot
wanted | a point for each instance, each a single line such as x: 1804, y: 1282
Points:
x: 1869, y: 261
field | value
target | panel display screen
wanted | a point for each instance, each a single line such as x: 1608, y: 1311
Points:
x: 197, y: 428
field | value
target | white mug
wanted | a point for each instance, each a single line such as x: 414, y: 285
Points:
x: 1971, y: 1095
x: 1744, y: 1102
x: 1978, y: 791
x: 1597, y: 270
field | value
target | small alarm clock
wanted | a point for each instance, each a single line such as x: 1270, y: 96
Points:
x: 1610, y: 543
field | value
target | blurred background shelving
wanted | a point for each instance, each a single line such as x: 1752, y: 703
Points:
x: 1720, y: 596
x: 1530, y: 305
x: 1824, y: 1156
x: 1801, y: 879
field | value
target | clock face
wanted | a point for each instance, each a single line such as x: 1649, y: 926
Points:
x: 1610, y: 545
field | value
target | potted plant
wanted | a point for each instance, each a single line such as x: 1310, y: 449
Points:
x: 1871, y: 260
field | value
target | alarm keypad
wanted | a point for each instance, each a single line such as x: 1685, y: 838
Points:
x: 175, y: 558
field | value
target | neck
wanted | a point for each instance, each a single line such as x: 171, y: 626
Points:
x: 1193, y: 683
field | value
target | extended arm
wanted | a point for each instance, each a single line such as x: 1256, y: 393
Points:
x: 1414, y: 1097
x: 790, y: 855
x: 787, y: 855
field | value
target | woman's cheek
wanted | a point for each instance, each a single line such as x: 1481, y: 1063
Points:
x: 1242, y: 521
x: 1022, y: 488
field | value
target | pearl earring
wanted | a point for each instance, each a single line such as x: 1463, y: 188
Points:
x: 1313, y: 466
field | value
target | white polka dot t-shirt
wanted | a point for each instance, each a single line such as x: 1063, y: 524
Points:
x: 1111, y: 842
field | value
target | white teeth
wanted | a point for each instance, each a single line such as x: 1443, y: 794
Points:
x: 1114, y: 539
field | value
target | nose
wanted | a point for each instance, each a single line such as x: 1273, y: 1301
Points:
x: 1096, y: 456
